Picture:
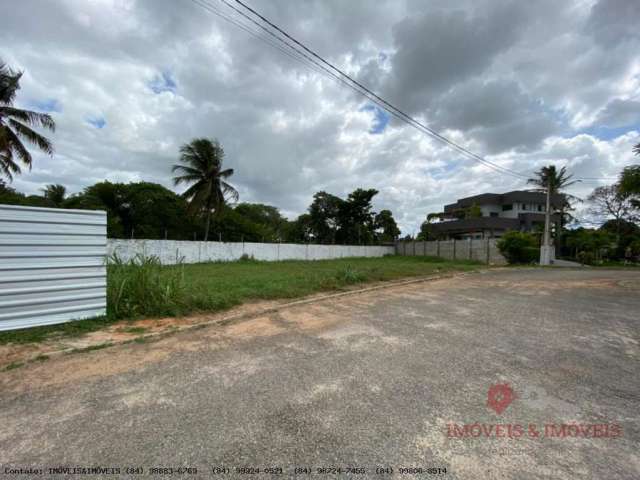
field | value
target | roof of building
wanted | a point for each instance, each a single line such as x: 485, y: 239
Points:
x: 522, y: 196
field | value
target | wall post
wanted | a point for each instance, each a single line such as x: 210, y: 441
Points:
x: 454, y: 249
x: 470, y: 248
x: 488, y: 251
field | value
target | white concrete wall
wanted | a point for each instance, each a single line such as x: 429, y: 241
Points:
x: 172, y: 251
x: 483, y: 250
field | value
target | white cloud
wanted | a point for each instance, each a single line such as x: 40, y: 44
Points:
x: 524, y: 83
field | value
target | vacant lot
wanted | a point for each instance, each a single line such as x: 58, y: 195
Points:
x: 152, y: 290
x: 362, y: 381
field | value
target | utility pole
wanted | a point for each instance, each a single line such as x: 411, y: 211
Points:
x: 547, y: 254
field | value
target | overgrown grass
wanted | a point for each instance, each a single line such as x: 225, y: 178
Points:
x: 143, y: 288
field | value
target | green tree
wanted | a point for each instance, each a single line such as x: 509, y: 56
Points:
x: 300, y: 230
x: 474, y: 211
x: 266, y: 218
x: 15, y: 126
x: 629, y: 184
x: 356, y: 217
x: 607, y: 202
x: 425, y: 233
x: 201, y: 168
x: 518, y: 247
x: 325, y: 217
x: 107, y: 196
x: 55, y: 194
x: 9, y: 195
x: 386, y: 227
x: 552, y: 181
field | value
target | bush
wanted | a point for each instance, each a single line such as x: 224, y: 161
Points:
x: 141, y: 287
x: 586, y: 258
x: 519, y: 247
x: 350, y: 275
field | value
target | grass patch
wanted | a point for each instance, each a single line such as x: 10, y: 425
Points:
x: 13, y: 366
x: 41, y: 358
x: 134, y: 330
x: 142, y: 288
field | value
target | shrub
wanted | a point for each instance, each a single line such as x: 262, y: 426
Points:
x: 142, y: 287
x: 350, y: 275
x: 519, y: 247
x: 585, y: 257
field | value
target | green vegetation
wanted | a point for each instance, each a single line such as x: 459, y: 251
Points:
x: 17, y: 125
x: 143, y: 288
x: 201, y: 168
x: 13, y: 366
x: 138, y: 330
x: 519, y: 247
x: 151, y: 211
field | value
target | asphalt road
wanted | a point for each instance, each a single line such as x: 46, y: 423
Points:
x: 385, y: 379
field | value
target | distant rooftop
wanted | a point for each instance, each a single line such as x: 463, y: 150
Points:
x: 515, y: 196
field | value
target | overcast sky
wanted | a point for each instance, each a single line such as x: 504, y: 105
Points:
x: 522, y: 83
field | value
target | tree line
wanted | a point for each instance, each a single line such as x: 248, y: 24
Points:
x: 152, y: 211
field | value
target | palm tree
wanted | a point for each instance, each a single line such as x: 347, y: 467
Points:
x: 55, y: 193
x: 201, y: 166
x: 15, y: 125
x: 551, y: 181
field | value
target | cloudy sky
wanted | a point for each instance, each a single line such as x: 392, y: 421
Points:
x: 523, y: 84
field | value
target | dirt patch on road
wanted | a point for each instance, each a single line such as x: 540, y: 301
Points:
x: 72, y: 369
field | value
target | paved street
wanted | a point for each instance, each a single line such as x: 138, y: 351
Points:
x: 378, y: 379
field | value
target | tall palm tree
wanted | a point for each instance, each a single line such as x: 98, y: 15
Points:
x: 55, y: 193
x: 551, y: 181
x: 15, y: 125
x: 201, y: 166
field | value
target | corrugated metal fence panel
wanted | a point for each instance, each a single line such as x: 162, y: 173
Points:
x: 52, y: 265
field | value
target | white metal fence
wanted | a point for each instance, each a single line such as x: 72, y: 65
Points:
x: 52, y: 265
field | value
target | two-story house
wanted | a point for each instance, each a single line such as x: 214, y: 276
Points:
x: 518, y: 210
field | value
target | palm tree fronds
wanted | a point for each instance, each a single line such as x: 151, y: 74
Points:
x: 13, y: 143
x: 229, y: 191
x: 34, y: 137
x: 9, y: 83
x: 29, y: 117
x: 8, y: 166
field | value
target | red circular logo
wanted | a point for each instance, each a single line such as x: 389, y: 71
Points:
x: 500, y: 397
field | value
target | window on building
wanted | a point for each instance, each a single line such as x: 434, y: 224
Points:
x: 493, y: 214
x: 507, y: 207
x: 540, y: 208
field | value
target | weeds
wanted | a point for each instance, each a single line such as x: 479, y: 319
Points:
x: 135, y: 330
x: 13, y: 366
x: 143, y: 288
x: 350, y: 275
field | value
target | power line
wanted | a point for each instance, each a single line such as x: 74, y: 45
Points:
x: 340, y: 76
x: 385, y: 105
x: 365, y: 92
x: 253, y: 33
